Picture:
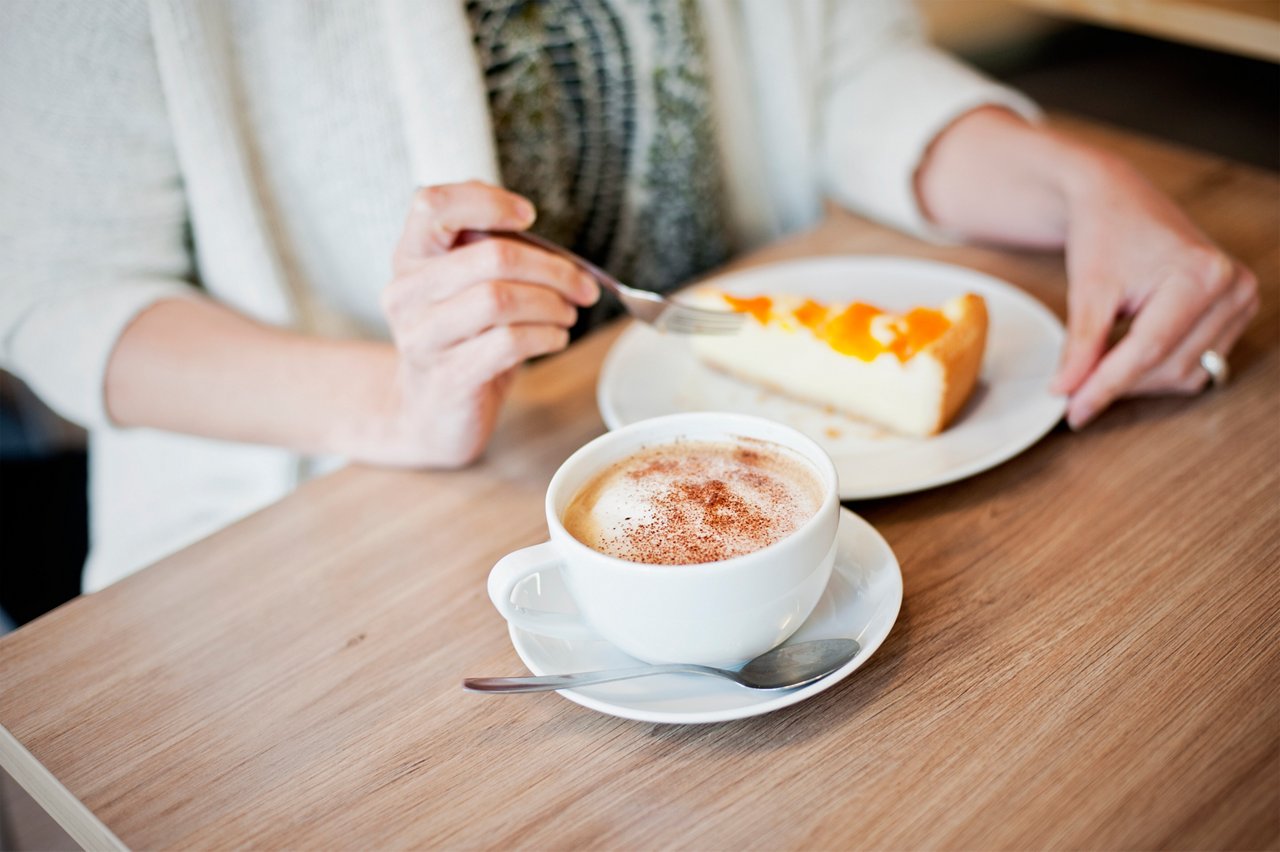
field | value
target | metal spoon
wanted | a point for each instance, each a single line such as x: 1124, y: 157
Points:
x: 782, y: 668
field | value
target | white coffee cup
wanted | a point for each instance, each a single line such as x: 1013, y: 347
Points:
x: 712, y: 613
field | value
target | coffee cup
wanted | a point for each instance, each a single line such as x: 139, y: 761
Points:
x: 717, y: 612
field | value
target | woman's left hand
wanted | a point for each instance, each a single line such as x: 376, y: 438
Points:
x: 1132, y: 254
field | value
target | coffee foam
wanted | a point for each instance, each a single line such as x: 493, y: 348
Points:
x: 693, y: 501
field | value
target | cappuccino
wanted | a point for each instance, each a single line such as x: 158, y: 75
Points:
x: 693, y: 501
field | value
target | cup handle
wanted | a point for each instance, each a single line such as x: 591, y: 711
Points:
x: 513, y: 568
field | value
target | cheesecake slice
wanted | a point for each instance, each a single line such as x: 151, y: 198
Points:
x: 910, y: 373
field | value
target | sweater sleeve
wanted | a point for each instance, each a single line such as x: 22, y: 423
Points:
x: 92, y: 214
x: 885, y: 95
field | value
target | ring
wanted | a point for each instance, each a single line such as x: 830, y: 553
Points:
x: 1216, y: 366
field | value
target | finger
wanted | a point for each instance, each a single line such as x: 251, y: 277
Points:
x: 1224, y: 344
x: 438, y: 213
x: 489, y: 355
x: 515, y: 261
x: 1218, y: 329
x: 1234, y: 331
x: 487, y: 260
x: 1158, y: 327
x: 478, y: 309
x: 1089, y: 322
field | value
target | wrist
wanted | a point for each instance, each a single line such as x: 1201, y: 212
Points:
x: 992, y: 176
x: 1084, y: 174
x: 365, y: 422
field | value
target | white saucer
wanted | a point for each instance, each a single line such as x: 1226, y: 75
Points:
x: 647, y: 374
x: 861, y: 601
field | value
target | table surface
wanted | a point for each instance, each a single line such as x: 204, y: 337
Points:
x: 1247, y: 27
x: 1088, y: 653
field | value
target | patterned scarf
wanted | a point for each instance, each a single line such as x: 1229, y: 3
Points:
x: 602, y: 117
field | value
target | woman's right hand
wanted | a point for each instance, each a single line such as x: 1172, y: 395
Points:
x: 463, y: 317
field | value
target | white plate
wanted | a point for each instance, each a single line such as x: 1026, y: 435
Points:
x: 861, y: 602
x: 647, y: 374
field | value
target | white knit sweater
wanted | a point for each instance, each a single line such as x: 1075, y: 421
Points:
x: 268, y: 150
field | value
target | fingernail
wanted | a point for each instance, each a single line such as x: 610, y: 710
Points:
x: 528, y: 213
x: 590, y: 291
x: 1077, y: 420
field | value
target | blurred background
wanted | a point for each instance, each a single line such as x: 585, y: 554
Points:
x: 1198, y: 73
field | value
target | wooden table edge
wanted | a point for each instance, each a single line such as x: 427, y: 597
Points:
x: 50, y: 793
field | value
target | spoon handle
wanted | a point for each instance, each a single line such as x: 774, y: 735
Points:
x: 565, y: 681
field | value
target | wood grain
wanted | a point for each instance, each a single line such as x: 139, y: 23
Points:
x: 1088, y: 655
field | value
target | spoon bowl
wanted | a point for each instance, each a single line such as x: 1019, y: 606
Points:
x: 785, y: 667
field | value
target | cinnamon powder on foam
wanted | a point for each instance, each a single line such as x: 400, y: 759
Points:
x: 694, y: 501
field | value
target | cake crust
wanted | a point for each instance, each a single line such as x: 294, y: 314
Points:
x: 960, y: 352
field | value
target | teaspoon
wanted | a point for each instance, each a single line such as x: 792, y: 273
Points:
x: 784, y: 667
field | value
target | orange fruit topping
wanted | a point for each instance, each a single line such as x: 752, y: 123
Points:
x: 759, y: 307
x: 849, y: 331
x: 923, y: 326
x: 811, y: 315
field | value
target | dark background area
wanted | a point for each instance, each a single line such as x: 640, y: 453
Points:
x: 43, y: 532
x: 1216, y: 102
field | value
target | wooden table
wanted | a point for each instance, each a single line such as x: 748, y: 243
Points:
x: 1247, y: 27
x: 1088, y: 654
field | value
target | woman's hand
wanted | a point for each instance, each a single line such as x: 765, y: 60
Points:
x: 1131, y: 254
x: 463, y: 317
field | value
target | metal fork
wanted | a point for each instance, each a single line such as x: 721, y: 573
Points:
x: 655, y: 309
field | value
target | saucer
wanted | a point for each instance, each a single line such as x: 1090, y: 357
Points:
x: 861, y: 601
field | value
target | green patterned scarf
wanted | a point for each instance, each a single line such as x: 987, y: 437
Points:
x: 602, y: 117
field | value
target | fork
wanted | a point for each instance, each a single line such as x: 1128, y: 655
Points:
x: 653, y: 308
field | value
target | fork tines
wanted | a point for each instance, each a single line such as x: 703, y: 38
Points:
x: 685, y: 319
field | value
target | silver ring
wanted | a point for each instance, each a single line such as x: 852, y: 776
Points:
x: 1216, y: 366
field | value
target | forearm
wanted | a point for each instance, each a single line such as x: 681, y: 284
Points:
x: 991, y: 176
x: 195, y: 367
